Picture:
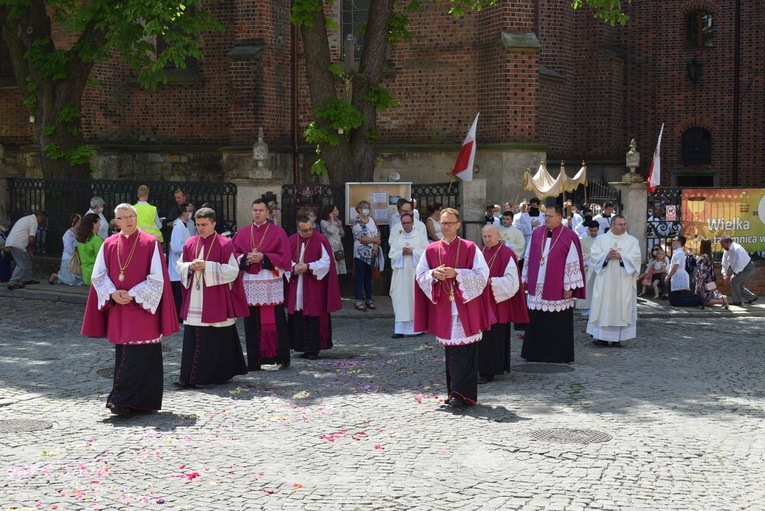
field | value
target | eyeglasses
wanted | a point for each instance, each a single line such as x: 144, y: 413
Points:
x: 128, y: 217
x: 448, y: 224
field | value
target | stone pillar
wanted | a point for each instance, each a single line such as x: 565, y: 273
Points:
x: 246, y: 192
x: 635, y: 211
x: 473, y: 195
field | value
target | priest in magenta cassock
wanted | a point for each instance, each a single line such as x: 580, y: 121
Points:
x: 450, y: 304
x: 131, y: 303
x: 313, y: 292
x: 508, y: 305
x: 615, y: 260
x: 263, y: 253
x: 553, y: 272
x: 213, y: 297
x: 405, y: 252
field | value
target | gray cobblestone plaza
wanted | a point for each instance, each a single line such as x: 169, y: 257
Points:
x: 671, y: 421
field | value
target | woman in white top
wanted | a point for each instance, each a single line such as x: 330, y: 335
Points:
x: 332, y: 229
x: 64, y: 275
x: 366, y: 250
x: 432, y: 223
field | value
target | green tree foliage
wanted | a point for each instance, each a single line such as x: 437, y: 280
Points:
x: 52, y: 79
x: 345, y: 128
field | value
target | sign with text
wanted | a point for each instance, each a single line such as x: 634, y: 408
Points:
x: 381, y: 196
x: 736, y: 212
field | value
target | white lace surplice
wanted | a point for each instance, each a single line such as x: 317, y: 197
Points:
x: 147, y: 293
x: 572, y: 279
x: 471, y: 283
x: 264, y: 287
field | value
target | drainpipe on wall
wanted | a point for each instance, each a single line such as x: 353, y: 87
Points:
x: 295, y: 93
x: 736, y: 79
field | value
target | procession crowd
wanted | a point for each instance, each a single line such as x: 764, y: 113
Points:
x: 535, y: 266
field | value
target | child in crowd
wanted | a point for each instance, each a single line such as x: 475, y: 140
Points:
x: 646, y: 278
x: 655, y: 271
x: 659, y: 271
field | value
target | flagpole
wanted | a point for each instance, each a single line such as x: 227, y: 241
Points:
x: 586, y: 183
x: 523, y: 185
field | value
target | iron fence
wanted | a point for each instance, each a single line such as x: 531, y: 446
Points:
x: 659, y: 229
x: 598, y: 192
x: 60, y: 198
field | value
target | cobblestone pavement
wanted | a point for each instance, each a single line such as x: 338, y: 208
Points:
x: 671, y: 421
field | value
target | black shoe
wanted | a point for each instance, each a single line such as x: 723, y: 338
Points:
x: 456, y: 402
x: 599, y: 343
x: 285, y: 366
x: 483, y: 380
x: 738, y: 304
x: 750, y: 302
x: 311, y: 356
x: 616, y: 344
x: 122, y: 411
x: 11, y: 287
x: 253, y: 368
x: 182, y: 385
x: 31, y: 282
x: 397, y: 336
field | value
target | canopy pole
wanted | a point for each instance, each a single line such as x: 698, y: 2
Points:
x: 523, y: 185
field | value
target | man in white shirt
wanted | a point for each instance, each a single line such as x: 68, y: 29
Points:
x: 512, y: 236
x: 678, y: 279
x: 582, y: 230
x: 178, y: 237
x: 21, y: 243
x: 530, y: 219
x: 604, y: 219
x: 404, y: 207
x: 573, y: 218
x: 737, y: 263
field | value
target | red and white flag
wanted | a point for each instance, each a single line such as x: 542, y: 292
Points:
x: 463, y: 168
x: 654, y: 176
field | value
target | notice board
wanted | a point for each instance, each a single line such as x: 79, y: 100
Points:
x: 382, y: 196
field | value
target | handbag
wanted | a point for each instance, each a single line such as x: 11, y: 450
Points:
x: 710, y: 286
x: 74, y: 263
x: 648, y: 279
x: 339, y: 255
